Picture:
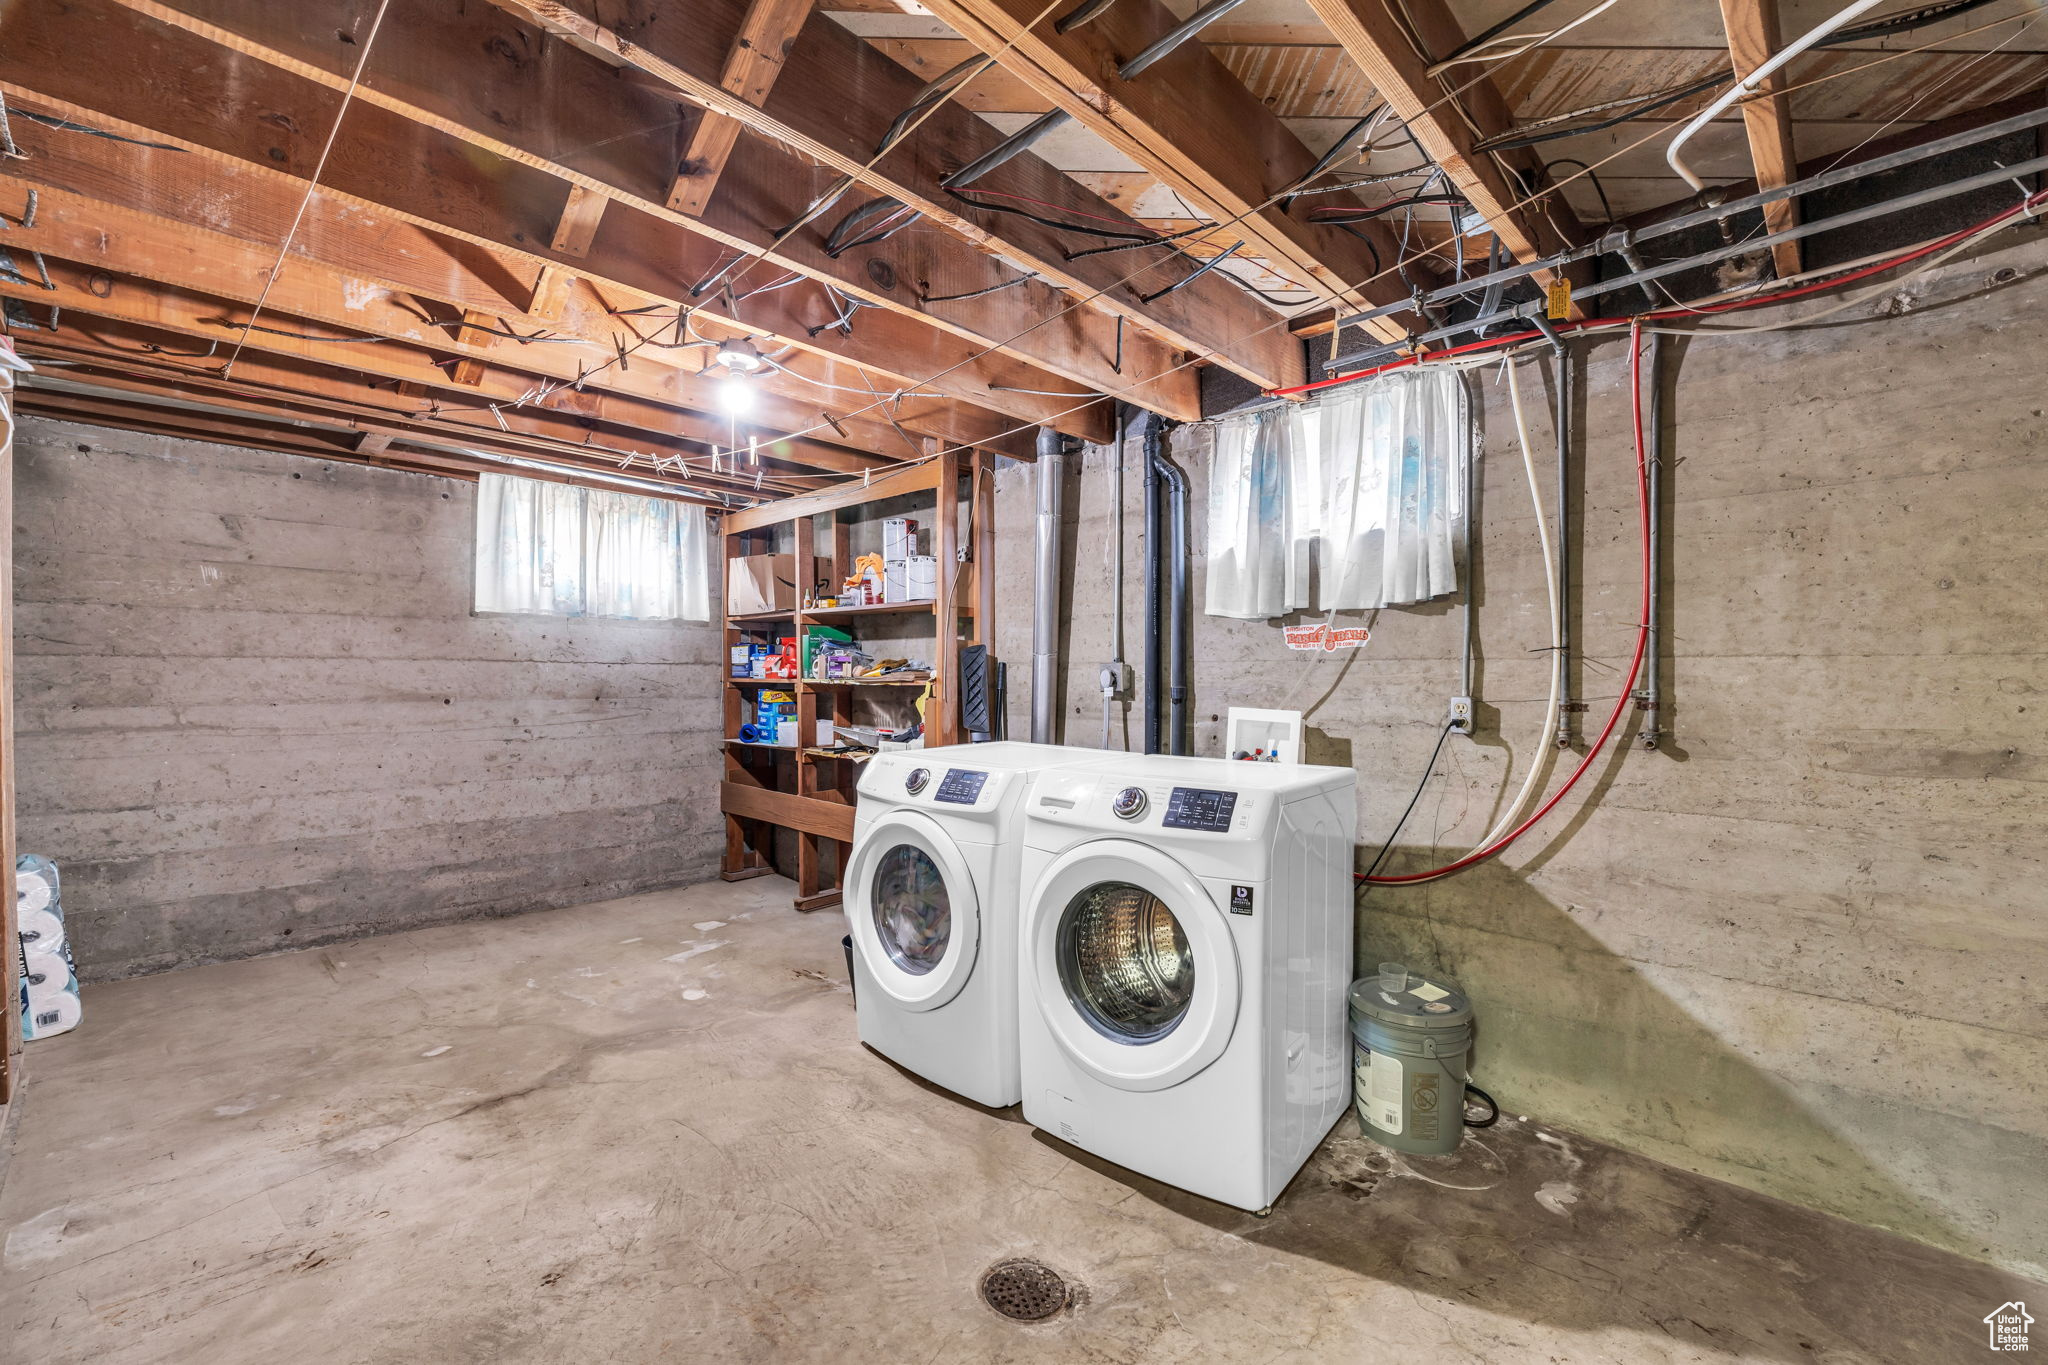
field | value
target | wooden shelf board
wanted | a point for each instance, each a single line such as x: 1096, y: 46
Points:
x: 919, y: 608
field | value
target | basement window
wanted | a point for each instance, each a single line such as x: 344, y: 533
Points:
x: 1346, y: 504
x: 554, y: 549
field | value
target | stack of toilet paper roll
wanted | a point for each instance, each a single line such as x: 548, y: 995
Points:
x: 49, y: 980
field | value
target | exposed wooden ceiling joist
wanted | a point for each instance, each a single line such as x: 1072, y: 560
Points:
x: 1767, y: 120
x: 108, y: 358
x: 317, y: 442
x: 834, y: 104
x: 558, y: 110
x: 1192, y: 123
x: 427, y: 175
x: 751, y: 67
x: 109, y: 202
x: 86, y: 294
x: 1369, y: 32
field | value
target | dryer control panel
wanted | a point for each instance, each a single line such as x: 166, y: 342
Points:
x: 1197, y: 808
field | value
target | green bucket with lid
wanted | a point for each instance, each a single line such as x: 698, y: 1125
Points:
x: 1408, y: 1052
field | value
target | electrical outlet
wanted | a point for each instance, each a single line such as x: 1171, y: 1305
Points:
x: 1115, y: 678
x: 1461, y: 715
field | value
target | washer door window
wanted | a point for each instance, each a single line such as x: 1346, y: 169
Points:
x: 911, y: 905
x: 1131, y: 964
x: 913, y: 913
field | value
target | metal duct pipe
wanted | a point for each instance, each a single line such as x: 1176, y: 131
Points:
x: 1649, y: 697
x: 1045, y: 584
x: 1566, y: 707
x: 1179, y: 735
x: 1154, y: 442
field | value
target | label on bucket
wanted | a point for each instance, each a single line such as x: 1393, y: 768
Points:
x: 1380, y: 1086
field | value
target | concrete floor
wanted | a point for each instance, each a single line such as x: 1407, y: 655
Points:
x: 643, y: 1130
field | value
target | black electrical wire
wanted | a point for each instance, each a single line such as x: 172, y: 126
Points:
x: 979, y: 293
x: 836, y: 239
x: 1506, y: 144
x: 1481, y: 39
x: 1360, y: 215
x: 1200, y: 271
x: 968, y: 199
x: 1427, y: 771
x: 1492, y: 1109
x: 1074, y: 18
x: 1606, y: 206
x: 1370, y: 244
x: 1886, y: 24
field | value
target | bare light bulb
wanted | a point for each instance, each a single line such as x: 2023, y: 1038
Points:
x: 736, y: 396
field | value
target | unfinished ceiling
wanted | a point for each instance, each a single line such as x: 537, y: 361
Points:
x: 564, y: 238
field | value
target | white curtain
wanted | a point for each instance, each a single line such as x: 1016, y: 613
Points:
x: 1389, y: 455
x: 567, y: 551
x: 1258, y: 558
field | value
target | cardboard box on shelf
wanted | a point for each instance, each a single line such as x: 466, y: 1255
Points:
x: 758, y: 583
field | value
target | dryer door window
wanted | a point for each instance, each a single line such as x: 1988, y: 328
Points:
x: 913, y: 914
x: 1130, y: 963
x: 1125, y: 963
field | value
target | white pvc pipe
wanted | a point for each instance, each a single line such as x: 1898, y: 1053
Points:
x: 1749, y: 84
x: 1539, y: 759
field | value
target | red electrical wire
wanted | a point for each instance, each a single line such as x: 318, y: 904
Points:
x: 1635, y: 325
x: 1635, y: 664
x: 1588, y: 324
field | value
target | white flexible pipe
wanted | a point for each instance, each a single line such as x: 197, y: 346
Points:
x: 1529, y: 41
x: 1748, y: 85
x: 1543, y: 747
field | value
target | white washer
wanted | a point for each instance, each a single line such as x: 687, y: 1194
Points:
x: 931, y: 900
x: 1186, y: 953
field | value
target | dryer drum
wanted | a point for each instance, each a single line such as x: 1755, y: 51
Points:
x: 1125, y: 963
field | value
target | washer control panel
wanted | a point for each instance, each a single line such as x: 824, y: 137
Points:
x: 1195, y: 808
x: 960, y: 786
x: 1129, y: 803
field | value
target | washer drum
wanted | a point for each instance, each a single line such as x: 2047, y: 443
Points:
x: 1408, y: 1054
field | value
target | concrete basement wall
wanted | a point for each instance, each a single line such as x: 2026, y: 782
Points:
x: 256, y: 712
x: 1804, y: 946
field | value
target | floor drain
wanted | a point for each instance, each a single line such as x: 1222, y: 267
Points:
x: 1024, y: 1291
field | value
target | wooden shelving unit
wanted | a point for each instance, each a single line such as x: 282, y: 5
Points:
x: 811, y: 791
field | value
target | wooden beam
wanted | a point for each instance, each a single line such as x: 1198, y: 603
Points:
x: 1192, y: 123
x: 289, y: 438
x: 581, y: 213
x: 459, y: 188
x: 915, y: 479
x: 750, y: 71
x: 478, y: 330
x: 835, y: 103
x: 146, y: 243
x: 86, y: 294
x: 1752, y: 27
x: 810, y: 814
x: 114, y: 355
x: 10, y: 945
x: 1367, y: 31
x: 560, y: 115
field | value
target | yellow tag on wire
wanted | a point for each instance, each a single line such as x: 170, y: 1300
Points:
x: 1559, y: 299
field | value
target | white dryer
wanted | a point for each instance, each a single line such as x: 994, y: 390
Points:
x: 1186, y: 953
x: 931, y: 901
